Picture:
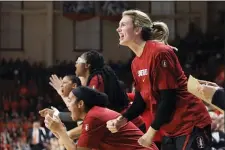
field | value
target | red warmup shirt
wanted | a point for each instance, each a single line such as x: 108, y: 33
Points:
x: 157, y: 69
x: 98, y: 84
x: 95, y: 134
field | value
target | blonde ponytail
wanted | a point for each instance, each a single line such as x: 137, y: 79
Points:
x: 160, y: 32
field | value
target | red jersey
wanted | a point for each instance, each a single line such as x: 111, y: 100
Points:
x: 157, y: 69
x: 95, y: 134
x: 97, y: 83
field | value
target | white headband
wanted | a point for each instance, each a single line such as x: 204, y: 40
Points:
x: 81, y: 61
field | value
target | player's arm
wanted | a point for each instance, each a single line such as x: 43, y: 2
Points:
x: 165, y: 83
x: 66, y: 117
x: 165, y: 109
x: 75, y: 132
x: 59, y: 130
x: 219, y: 98
x: 68, y: 143
x: 137, y: 107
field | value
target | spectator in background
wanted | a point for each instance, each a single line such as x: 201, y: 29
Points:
x: 218, y: 134
x: 6, y: 104
x: 55, y: 144
x: 14, y: 106
x: 5, y: 139
x: 220, y: 78
x: 36, y: 137
x: 24, y: 106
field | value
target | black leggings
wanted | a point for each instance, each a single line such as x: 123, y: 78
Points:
x: 199, y: 139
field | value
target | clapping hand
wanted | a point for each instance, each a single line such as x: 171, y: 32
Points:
x: 56, y: 83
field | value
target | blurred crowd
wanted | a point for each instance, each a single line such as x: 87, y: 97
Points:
x: 25, y: 87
